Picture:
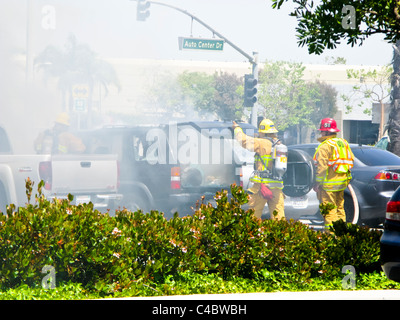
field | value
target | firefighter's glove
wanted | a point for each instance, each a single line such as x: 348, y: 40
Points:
x: 266, y: 192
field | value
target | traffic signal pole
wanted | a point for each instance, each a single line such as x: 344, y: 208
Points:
x: 254, y: 109
x: 252, y: 59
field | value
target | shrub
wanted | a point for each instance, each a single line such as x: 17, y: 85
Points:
x: 57, y: 234
x: 230, y: 241
x: 132, y: 248
x: 354, y: 245
x: 295, y: 248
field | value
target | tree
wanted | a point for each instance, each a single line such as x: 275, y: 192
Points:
x: 227, y: 98
x: 164, y: 97
x: 324, y: 98
x: 283, y: 94
x: 290, y: 101
x: 335, y: 60
x: 374, y: 85
x: 197, y: 90
x: 76, y: 64
x: 215, y: 94
x: 324, y: 24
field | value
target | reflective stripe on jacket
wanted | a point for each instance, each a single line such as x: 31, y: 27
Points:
x: 342, y: 157
x: 334, y: 160
x: 263, y: 164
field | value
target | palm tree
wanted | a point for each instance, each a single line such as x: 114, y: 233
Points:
x: 76, y: 64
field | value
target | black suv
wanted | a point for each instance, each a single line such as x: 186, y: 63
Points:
x: 169, y: 167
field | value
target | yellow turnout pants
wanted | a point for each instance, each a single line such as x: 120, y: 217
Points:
x: 257, y: 202
x: 337, y: 198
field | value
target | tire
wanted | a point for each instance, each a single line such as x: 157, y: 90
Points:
x: 351, y: 207
x: 133, y: 203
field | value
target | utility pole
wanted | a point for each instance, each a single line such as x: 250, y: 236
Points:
x: 252, y: 59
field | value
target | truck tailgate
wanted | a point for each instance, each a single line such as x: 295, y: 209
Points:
x: 84, y: 173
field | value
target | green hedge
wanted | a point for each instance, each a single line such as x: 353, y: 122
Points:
x: 112, y: 253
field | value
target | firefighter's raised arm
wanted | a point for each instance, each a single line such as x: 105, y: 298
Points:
x: 245, y: 141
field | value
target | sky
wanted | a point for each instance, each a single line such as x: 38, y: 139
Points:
x: 111, y: 30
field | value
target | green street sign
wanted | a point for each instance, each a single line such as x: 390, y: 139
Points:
x: 200, y: 44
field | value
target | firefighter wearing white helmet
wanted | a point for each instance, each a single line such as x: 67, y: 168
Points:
x: 333, y: 160
x: 59, y: 140
x: 270, y: 162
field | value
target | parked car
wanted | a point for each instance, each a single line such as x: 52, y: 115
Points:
x: 390, y: 240
x: 376, y: 175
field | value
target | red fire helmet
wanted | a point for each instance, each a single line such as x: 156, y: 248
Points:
x: 328, y: 124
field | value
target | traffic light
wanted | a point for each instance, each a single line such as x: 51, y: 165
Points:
x: 250, y: 90
x: 142, y: 12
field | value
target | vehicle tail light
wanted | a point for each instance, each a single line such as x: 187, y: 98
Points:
x: 45, y: 174
x: 393, y: 210
x: 175, y: 178
x: 387, y: 175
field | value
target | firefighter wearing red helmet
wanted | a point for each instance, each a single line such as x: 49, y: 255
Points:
x: 333, y: 160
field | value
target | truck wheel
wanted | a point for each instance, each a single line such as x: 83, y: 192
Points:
x: 133, y: 203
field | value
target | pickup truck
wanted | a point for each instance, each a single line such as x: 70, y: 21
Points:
x: 89, y: 178
x: 169, y: 167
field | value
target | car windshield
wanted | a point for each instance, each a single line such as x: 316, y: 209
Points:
x: 375, y: 157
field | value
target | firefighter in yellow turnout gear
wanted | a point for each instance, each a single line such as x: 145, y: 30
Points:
x: 59, y: 140
x: 265, y: 189
x: 333, y: 160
